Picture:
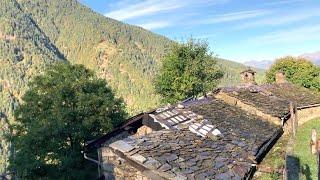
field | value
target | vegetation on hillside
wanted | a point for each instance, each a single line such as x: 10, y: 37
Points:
x: 24, y: 52
x: 37, y: 33
x: 187, y: 71
x: 64, y: 108
x: 297, y: 70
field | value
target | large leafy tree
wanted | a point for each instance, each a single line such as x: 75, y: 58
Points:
x: 64, y: 107
x: 187, y: 71
x: 298, y: 71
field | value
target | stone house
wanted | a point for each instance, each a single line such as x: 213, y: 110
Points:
x: 221, y: 136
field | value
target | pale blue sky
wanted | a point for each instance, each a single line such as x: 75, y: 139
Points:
x: 238, y: 30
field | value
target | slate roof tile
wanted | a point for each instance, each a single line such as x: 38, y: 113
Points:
x: 302, y: 96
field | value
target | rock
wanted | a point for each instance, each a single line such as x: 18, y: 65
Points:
x: 180, y: 177
x: 170, y: 157
x: 121, y: 146
x: 187, y: 171
x: 223, y: 176
x: 139, y: 158
x: 152, y: 163
x: 165, y: 167
x: 219, y: 165
x: 180, y: 106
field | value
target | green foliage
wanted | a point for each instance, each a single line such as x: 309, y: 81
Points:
x: 187, y: 71
x: 37, y: 33
x: 297, y: 70
x: 64, y: 108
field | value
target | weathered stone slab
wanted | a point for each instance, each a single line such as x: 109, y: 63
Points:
x: 165, y: 167
x: 121, y: 146
x: 139, y: 158
x: 152, y: 163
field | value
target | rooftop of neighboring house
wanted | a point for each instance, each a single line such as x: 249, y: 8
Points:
x: 300, y: 95
x: 200, y: 138
x: 209, y: 136
x: 182, y: 154
x: 259, y: 98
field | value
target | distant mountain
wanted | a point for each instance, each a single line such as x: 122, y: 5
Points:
x: 314, y: 57
x: 263, y: 64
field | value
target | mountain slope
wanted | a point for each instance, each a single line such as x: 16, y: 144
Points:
x: 24, y: 52
x: 126, y: 56
x: 232, y: 72
x: 261, y: 64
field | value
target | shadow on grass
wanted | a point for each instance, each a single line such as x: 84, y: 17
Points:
x: 306, y: 172
x: 293, y: 167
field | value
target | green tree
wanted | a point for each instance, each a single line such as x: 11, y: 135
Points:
x: 187, y: 71
x: 298, y: 71
x: 64, y: 108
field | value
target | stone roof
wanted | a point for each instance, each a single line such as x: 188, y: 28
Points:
x: 240, y: 123
x: 260, y: 98
x: 204, y: 138
x: 302, y: 96
x: 182, y: 154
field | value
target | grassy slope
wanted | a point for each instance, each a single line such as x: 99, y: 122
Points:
x: 308, y: 163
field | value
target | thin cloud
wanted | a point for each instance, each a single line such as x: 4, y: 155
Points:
x: 235, y: 16
x: 283, y: 2
x: 281, y: 20
x: 150, y: 7
x: 300, y: 34
x: 142, y: 9
x: 155, y: 25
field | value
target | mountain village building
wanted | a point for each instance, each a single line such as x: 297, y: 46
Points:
x: 224, y: 135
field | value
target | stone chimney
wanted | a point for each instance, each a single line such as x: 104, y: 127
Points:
x: 280, y: 77
x: 248, y: 77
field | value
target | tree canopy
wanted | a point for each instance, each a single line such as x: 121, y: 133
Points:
x: 297, y: 70
x: 187, y: 71
x: 64, y: 107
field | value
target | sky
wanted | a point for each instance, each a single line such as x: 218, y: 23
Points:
x: 238, y: 30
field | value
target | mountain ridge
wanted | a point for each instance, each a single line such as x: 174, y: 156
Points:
x: 314, y: 57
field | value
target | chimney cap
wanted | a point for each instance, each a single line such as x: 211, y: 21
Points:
x: 280, y: 77
x: 249, y: 70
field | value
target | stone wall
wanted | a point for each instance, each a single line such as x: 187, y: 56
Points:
x: 307, y: 114
x: 115, y: 167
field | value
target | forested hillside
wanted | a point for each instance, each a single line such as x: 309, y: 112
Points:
x: 126, y: 56
x: 35, y: 33
x: 24, y: 51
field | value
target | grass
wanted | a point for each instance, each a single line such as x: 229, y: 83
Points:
x: 275, y: 159
x: 307, y: 161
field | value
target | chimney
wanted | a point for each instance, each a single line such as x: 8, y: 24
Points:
x: 248, y: 76
x: 280, y: 77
